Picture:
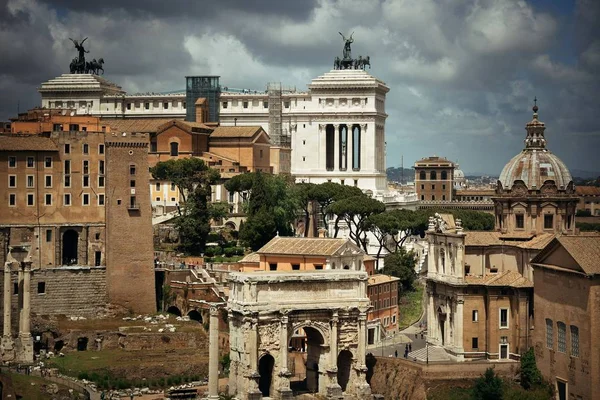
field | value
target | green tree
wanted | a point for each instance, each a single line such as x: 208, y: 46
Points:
x: 488, y: 387
x: 355, y: 211
x: 530, y: 374
x: 401, y: 264
x: 193, y: 178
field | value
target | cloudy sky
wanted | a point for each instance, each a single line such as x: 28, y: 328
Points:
x: 462, y: 73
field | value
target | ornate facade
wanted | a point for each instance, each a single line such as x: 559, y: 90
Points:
x: 535, y: 191
x: 266, y: 310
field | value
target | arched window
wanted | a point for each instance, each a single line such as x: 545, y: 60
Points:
x: 174, y: 149
x: 422, y: 175
x: 433, y: 175
x: 356, y: 147
x: 343, y: 147
x: 444, y: 175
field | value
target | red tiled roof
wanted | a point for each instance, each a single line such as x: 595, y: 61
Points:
x: 138, y: 125
x: 585, y: 250
x: 506, y: 278
x: 26, y: 143
x: 235, y: 131
x: 587, y: 190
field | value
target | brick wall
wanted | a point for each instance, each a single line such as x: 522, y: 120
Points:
x: 69, y: 291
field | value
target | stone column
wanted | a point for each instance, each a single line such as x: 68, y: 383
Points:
x: 363, y: 390
x: 430, y: 316
x: 213, y: 354
x: 253, y: 376
x: 284, y: 374
x: 334, y: 390
x: 458, y: 332
x: 25, y: 351
x: 8, y: 345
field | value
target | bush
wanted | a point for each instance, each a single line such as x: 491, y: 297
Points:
x: 218, y: 251
x: 588, y: 226
x: 83, y: 375
x: 229, y: 251
x: 488, y: 387
x: 530, y: 374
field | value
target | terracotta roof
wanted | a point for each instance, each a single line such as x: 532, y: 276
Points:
x: 201, y: 100
x: 303, y: 246
x: 26, y: 143
x: 144, y: 125
x: 587, y: 190
x: 523, y: 240
x: 585, y: 250
x: 506, y: 278
x: 381, y: 278
x: 250, y: 258
x: 235, y: 131
x: 189, y: 127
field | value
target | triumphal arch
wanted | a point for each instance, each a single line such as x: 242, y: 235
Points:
x: 302, y: 332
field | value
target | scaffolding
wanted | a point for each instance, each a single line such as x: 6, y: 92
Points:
x: 274, y: 92
x: 202, y: 87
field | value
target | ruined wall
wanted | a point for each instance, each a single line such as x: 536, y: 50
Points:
x: 69, y: 291
x: 396, y: 378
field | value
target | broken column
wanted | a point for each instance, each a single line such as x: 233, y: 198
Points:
x: 8, y: 348
x: 213, y: 354
x: 25, y: 351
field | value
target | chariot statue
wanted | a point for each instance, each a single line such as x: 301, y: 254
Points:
x: 80, y: 66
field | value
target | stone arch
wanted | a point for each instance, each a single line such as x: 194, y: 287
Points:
x: 230, y: 225
x: 344, y: 364
x: 265, y: 370
x: 195, y: 316
x: 70, y: 242
x: 314, y: 343
x: 82, y: 343
x: 174, y: 310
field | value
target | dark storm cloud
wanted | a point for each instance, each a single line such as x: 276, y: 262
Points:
x: 198, y: 10
x: 462, y: 74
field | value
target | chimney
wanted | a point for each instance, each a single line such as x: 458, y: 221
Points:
x: 201, y: 110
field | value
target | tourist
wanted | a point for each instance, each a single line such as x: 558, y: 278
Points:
x: 396, y: 353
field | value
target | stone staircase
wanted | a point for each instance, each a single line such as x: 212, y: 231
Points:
x: 436, y: 353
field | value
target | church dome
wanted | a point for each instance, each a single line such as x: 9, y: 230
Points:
x: 535, y: 165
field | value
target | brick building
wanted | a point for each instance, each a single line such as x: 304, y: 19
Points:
x: 60, y: 189
x: 589, y: 199
x: 434, y: 177
x: 567, y: 315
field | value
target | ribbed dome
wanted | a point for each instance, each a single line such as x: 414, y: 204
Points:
x: 535, y: 165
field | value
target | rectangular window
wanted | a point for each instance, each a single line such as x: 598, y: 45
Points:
x: 86, y: 148
x: 548, y: 221
x: 57, y: 127
x: 101, y: 181
x: 41, y: 287
x: 504, y: 318
x: 86, y: 167
x: 147, y: 106
x: 132, y: 183
x: 475, y: 315
x: 295, y: 267
x: 100, y: 199
x: 265, y: 104
x: 30, y: 199
x: 549, y: 334
x: 67, y: 181
x: 133, y: 203
x: 520, y: 221
x: 153, y: 147
x: 12, y: 181
x: 30, y: 181
x: 129, y: 106
x: 157, y: 186
x: 67, y: 166
x: 48, y: 235
x: 132, y: 170
x: 30, y: 162
x: 432, y: 187
x: 503, y: 351
x: 443, y: 197
x: 73, y: 127
x: 475, y: 343
x: 97, y: 258
x: 224, y: 104
x: 48, y: 199
x: 319, y: 266
x: 443, y: 187
x: 100, y: 149
x: 272, y: 266
x: 245, y: 104
x: 172, y: 187
x: 67, y: 199
x: 48, y: 181
x: 48, y: 162
x: 12, y: 162
x: 67, y: 148
x: 86, y: 181
x: 261, y: 153
x: 16, y: 288
x: 166, y: 106
x: 574, y: 341
x: 101, y: 167
x: 12, y: 199
x: 562, y: 337
x: 286, y: 104
x: 85, y: 200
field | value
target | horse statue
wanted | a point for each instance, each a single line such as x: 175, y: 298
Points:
x: 337, y: 63
x: 94, y: 67
x: 358, y: 63
x: 366, y: 61
x: 77, y: 67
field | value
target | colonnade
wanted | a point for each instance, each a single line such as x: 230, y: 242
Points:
x: 21, y: 349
